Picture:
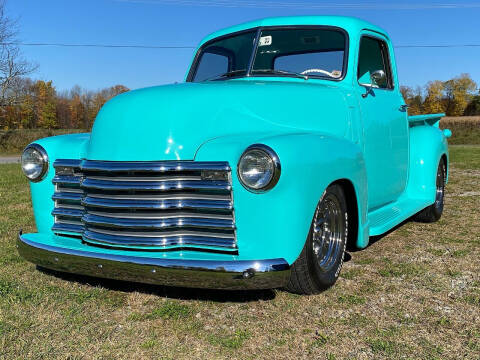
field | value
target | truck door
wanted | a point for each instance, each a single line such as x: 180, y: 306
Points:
x: 384, y: 120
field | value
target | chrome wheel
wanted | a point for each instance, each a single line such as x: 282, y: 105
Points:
x: 440, y: 193
x: 321, y: 260
x: 329, y: 228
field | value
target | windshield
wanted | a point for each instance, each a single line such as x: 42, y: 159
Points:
x: 295, y: 52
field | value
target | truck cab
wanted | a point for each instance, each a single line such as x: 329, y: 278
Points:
x: 288, y: 140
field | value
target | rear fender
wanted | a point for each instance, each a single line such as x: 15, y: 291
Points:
x: 427, y: 146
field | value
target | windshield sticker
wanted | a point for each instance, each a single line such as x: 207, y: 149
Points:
x: 265, y: 41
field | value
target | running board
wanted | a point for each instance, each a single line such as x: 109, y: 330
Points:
x: 385, y: 218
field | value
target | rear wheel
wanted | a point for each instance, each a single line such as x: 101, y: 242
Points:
x: 321, y: 259
x: 434, y: 211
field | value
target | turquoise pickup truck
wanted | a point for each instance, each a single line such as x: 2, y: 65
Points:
x: 288, y: 142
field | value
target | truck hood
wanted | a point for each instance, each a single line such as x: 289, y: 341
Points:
x: 171, y: 122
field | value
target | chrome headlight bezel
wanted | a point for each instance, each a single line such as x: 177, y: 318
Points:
x: 44, y: 157
x: 277, y: 169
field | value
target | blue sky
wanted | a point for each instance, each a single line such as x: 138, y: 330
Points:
x: 186, y: 22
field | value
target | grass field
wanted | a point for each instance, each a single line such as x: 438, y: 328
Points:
x: 414, y: 293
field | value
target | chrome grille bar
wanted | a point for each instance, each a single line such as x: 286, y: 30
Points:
x: 92, y: 201
x: 159, y: 205
x: 133, y: 185
x: 127, y: 223
x: 151, y: 166
x: 121, y: 240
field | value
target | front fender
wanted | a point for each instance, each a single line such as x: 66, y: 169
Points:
x: 71, y: 146
x: 276, y: 223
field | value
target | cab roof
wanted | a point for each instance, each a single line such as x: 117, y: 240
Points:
x: 350, y: 24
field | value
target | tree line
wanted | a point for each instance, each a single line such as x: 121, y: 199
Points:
x: 455, y: 97
x: 36, y: 104
x: 27, y: 103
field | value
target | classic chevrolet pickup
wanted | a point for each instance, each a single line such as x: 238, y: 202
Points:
x: 288, y: 141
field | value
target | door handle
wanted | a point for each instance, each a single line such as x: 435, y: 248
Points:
x: 404, y: 107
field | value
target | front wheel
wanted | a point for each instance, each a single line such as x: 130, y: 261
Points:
x: 434, y: 211
x: 321, y: 259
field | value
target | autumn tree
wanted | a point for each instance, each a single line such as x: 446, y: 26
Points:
x: 77, y: 112
x: 458, y: 93
x: 413, y: 98
x: 45, y: 105
x: 434, y: 103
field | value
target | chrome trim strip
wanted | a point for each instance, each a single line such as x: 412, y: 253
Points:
x: 67, y: 163
x: 65, y: 179
x: 232, y: 275
x: 71, y: 212
x: 155, y: 185
x: 62, y: 227
x: 162, y: 196
x: 108, y: 222
x: 160, y: 242
x: 152, y: 166
x: 165, y: 177
x: 67, y: 196
x: 156, y: 204
x: 160, y: 215
x: 161, y: 234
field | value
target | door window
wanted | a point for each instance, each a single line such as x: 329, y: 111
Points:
x: 374, y: 64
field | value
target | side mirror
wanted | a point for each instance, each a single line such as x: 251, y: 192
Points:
x: 378, y: 77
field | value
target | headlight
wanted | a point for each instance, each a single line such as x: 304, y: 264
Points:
x: 259, y: 168
x: 34, y: 162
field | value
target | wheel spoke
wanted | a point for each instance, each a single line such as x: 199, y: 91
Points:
x: 328, y: 232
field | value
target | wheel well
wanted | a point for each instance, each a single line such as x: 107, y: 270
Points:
x: 352, y: 209
x: 445, y: 161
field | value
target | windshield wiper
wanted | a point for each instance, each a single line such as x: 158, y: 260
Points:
x: 281, y: 72
x: 225, y: 75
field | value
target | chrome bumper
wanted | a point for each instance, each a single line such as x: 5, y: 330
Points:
x: 234, y: 275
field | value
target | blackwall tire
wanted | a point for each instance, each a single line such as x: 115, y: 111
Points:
x: 319, y: 264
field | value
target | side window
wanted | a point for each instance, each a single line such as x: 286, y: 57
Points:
x: 374, y: 64
x: 211, y: 65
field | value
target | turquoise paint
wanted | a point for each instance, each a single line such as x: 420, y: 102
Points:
x: 57, y: 147
x: 323, y: 131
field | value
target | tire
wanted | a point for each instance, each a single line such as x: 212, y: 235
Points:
x: 319, y: 264
x: 434, y: 212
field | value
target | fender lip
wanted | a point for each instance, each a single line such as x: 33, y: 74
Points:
x: 227, y: 275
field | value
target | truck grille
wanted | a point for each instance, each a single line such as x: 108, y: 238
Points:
x: 161, y: 205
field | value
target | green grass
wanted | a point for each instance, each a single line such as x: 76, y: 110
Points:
x: 465, y: 156
x: 465, y: 129
x: 415, y: 293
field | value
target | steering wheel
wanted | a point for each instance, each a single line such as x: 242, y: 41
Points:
x: 308, y: 71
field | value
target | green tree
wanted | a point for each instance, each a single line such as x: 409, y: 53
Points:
x: 473, y: 108
x: 46, y: 107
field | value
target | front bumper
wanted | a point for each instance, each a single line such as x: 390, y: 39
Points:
x: 233, y: 275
